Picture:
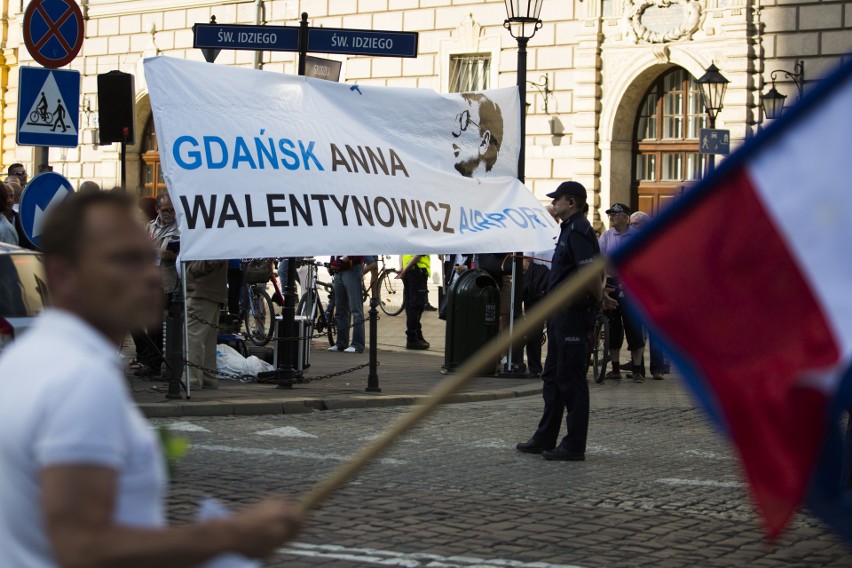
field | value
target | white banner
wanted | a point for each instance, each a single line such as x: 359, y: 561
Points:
x: 260, y: 164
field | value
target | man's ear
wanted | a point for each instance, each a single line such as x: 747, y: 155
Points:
x: 484, y: 142
x: 60, y: 275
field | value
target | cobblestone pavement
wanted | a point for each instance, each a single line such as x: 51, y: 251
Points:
x: 659, y: 488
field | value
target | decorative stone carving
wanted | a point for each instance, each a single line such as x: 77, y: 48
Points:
x: 467, y: 34
x: 661, y: 21
x: 661, y: 53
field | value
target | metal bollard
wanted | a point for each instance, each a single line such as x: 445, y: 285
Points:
x: 373, y: 377
x: 174, y: 344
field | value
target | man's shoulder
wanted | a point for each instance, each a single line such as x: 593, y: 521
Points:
x: 67, y: 367
x: 579, y: 224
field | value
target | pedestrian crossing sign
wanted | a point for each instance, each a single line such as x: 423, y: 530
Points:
x: 48, y: 107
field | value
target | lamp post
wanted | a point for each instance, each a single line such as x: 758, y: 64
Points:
x: 713, y: 86
x: 773, y: 101
x: 522, y: 21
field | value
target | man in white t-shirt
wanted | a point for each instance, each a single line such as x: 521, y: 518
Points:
x: 82, y: 475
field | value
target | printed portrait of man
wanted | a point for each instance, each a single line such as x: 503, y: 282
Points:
x: 477, y: 135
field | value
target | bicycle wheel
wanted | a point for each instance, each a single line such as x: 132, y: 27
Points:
x: 328, y: 319
x: 34, y: 116
x: 302, y: 308
x: 390, y: 293
x: 600, y: 353
x: 258, y: 316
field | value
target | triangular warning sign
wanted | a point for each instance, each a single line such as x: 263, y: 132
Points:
x: 49, y: 113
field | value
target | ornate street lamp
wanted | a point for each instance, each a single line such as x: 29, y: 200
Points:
x: 522, y: 21
x: 713, y: 86
x: 773, y: 101
x: 522, y: 18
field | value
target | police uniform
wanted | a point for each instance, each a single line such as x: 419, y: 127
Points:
x: 564, y: 374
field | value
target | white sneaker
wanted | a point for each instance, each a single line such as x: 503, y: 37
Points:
x: 351, y: 349
x: 334, y: 348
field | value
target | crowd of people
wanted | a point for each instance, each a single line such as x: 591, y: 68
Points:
x: 93, y: 489
x: 210, y: 285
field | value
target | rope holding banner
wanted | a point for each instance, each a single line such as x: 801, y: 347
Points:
x: 558, y: 298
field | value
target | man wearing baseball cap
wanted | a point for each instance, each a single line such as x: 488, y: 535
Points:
x: 564, y: 374
x: 620, y: 323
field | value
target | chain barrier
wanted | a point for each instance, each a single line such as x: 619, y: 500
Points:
x: 234, y: 329
x: 251, y: 378
x: 305, y: 380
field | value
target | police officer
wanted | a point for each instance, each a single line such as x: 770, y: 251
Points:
x: 564, y: 375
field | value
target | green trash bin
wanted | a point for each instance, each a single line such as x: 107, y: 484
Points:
x: 473, y: 316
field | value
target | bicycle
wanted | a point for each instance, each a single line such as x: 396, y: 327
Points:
x: 388, y: 288
x: 600, y: 347
x: 320, y: 318
x: 40, y: 115
x: 256, y: 310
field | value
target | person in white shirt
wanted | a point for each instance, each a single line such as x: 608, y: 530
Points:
x: 8, y: 233
x: 83, y: 477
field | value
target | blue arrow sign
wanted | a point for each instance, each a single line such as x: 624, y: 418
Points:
x: 48, y: 107
x: 363, y: 42
x: 255, y: 38
x: 43, y: 193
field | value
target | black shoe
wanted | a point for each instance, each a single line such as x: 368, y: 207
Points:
x: 418, y: 344
x: 143, y: 371
x: 561, y: 454
x: 429, y: 308
x: 532, y: 447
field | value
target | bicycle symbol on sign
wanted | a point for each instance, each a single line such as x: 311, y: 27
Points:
x: 42, y: 117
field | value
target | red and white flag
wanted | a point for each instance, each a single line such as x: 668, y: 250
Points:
x: 748, y: 280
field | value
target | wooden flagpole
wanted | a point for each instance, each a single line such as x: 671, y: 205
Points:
x: 558, y: 298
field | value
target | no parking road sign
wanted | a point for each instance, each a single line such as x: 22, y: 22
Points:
x: 48, y: 107
x: 41, y: 195
x: 53, y: 31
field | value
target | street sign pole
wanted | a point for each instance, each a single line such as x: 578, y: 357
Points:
x: 303, y: 43
x: 43, y: 159
x: 287, y: 372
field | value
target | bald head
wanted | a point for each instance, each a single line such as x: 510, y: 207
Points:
x: 639, y: 219
x: 16, y: 188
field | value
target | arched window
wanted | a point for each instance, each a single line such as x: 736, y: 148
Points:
x: 665, y: 152
x: 152, y: 182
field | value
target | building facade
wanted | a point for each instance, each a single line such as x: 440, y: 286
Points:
x: 612, y: 98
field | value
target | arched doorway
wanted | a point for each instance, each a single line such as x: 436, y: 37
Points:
x: 665, y: 147
x: 151, y: 182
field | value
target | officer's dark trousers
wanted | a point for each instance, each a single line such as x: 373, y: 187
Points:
x: 565, y: 388
x: 533, y: 344
x: 414, y: 294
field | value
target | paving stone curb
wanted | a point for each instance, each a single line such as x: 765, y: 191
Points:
x: 257, y: 407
